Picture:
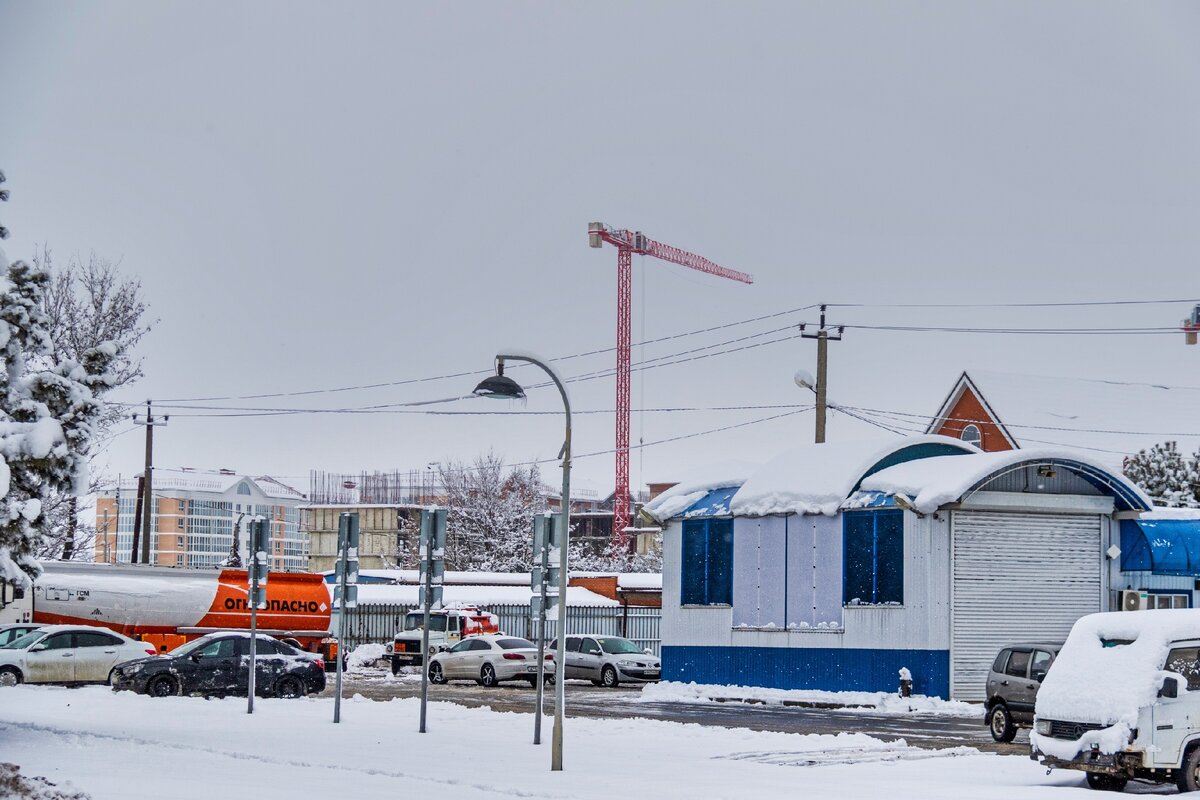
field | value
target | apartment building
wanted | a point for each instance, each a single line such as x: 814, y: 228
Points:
x: 193, y: 517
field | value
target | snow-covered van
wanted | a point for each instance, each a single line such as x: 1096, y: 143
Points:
x: 447, y: 627
x: 1123, y: 700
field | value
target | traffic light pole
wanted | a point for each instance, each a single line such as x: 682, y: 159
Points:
x: 258, y: 546
x: 347, y: 593
x: 341, y: 637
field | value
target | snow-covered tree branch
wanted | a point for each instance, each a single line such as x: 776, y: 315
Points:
x: 490, y: 514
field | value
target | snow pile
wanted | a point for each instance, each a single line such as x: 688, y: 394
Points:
x: 695, y: 485
x: 817, y: 478
x: 872, y: 702
x: 1107, y: 685
x: 933, y: 482
x: 15, y: 786
x: 365, y: 655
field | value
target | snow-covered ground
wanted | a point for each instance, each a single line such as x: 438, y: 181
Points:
x: 125, y: 746
x: 872, y: 702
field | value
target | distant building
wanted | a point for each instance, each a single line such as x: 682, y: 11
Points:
x: 387, y: 534
x: 193, y: 517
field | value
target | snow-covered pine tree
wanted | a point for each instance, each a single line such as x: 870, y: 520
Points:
x: 1163, y: 473
x: 48, y: 410
x: 490, y: 521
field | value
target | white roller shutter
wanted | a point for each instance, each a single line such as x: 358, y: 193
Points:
x: 1017, y: 577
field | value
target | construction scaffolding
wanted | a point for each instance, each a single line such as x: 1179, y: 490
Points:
x: 413, y: 487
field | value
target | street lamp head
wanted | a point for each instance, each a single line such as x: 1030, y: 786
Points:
x: 500, y: 386
x: 805, y: 380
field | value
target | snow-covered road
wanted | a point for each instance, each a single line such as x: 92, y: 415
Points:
x: 124, y: 746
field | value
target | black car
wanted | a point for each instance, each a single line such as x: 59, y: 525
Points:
x: 219, y: 664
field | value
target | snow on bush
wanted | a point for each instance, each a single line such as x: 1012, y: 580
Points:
x: 365, y: 655
x: 1110, y: 667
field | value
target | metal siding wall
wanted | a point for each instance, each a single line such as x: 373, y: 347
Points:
x: 759, y: 572
x: 378, y: 622
x: 1027, y: 480
x: 814, y: 571
x: 923, y: 621
x: 1018, y: 577
x: 688, y: 626
x: 827, y: 669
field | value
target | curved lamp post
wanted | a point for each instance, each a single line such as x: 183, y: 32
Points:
x: 502, y: 387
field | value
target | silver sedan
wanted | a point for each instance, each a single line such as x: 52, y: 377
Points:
x: 487, y: 659
x: 609, y: 660
x: 67, y: 654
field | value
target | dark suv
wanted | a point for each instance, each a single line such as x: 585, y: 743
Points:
x: 1012, y: 686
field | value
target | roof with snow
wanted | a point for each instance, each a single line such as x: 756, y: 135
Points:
x: 934, y: 482
x: 217, y: 482
x: 1107, y: 418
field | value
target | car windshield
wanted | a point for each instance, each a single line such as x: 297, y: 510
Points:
x: 619, y: 646
x: 24, y: 641
x: 414, y: 621
x: 514, y: 644
x: 188, y: 647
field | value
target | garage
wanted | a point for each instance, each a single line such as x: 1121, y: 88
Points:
x: 1017, y: 577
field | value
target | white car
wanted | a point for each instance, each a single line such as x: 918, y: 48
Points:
x: 67, y: 654
x: 608, y: 660
x: 487, y: 659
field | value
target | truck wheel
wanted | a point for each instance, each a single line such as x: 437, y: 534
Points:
x: 1106, y: 783
x: 1000, y: 724
x: 395, y: 666
x: 162, y: 686
x: 9, y: 676
x: 435, y: 673
x: 487, y: 676
x: 1188, y: 778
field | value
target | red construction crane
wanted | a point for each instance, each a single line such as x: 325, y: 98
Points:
x: 628, y: 243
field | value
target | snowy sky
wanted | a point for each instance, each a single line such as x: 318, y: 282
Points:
x: 320, y: 196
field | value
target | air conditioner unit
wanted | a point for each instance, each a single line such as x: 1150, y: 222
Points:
x: 1134, y: 600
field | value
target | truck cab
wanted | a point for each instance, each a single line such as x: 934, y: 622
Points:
x: 447, y: 627
x: 1124, y: 704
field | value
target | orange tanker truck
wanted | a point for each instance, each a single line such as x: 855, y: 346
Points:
x: 167, y: 607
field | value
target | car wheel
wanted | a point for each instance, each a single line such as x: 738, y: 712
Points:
x: 532, y: 680
x: 436, y: 675
x: 487, y: 675
x: 1106, y: 783
x: 289, y: 686
x: 10, y: 676
x: 608, y: 677
x: 162, y: 686
x: 1188, y: 778
x: 1000, y: 723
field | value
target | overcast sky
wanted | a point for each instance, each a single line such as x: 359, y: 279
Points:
x: 326, y: 195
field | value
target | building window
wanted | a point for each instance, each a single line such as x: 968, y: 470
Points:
x: 972, y: 435
x: 243, y: 488
x: 1161, y: 599
x: 873, y: 564
x: 707, y: 573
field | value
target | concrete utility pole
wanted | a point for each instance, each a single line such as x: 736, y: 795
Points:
x: 147, y: 485
x: 823, y: 339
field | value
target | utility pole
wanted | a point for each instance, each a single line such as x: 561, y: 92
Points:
x: 148, y: 485
x: 823, y: 338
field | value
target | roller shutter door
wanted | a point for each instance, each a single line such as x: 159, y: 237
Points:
x: 1017, y: 577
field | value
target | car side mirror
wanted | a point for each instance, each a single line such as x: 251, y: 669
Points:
x: 196, y: 657
x: 37, y: 648
x: 1170, y: 687
x: 648, y: 651
x: 1039, y: 675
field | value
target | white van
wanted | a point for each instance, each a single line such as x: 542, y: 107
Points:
x: 1123, y: 700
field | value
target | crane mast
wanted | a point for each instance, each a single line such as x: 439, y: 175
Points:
x: 627, y: 243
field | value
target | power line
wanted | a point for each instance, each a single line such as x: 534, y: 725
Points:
x: 1139, y: 331
x: 1074, y: 304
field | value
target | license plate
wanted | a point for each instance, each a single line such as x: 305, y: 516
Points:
x: 531, y: 668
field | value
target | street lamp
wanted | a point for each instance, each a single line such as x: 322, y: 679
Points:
x: 502, y: 387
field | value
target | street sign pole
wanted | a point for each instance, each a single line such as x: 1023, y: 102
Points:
x: 260, y: 537
x: 541, y: 558
x: 432, y: 554
x: 347, y: 593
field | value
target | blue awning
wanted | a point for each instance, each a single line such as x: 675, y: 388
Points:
x: 1161, y: 546
x: 713, y: 504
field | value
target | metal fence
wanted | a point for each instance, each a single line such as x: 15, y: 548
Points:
x: 378, y: 622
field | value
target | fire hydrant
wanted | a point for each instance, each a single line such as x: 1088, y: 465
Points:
x: 905, y: 682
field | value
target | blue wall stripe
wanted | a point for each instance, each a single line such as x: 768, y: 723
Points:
x: 831, y: 669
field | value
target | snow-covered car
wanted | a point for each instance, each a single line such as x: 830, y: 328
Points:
x: 66, y: 654
x: 608, y: 660
x: 1123, y: 700
x: 486, y: 659
x: 13, y: 631
x: 219, y: 664
x: 1012, y: 686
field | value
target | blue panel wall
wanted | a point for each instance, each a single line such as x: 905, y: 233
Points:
x: 831, y: 669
